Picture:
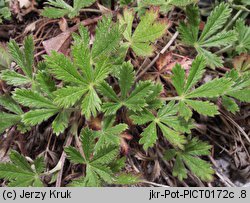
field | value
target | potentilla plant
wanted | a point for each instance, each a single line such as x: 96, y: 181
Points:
x: 91, y: 83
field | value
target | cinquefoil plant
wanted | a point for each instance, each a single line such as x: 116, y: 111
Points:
x: 90, y: 83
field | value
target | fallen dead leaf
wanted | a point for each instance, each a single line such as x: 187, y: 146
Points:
x: 123, y: 141
x: 61, y: 42
x: 242, y: 62
x: 168, y: 60
x: 30, y: 28
x: 163, y: 60
x: 63, y: 24
x: 156, y: 171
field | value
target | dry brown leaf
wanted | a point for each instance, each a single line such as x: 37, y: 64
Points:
x: 163, y: 60
x: 63, y: 24
x: 168, y: 60
x: 123, y: 142
x: 60, y: 43
x: 30, y: 28
x: 156, y: 171
x: 242, y: 62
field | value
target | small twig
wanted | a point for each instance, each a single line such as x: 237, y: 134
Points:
x: 91, y: 10
x: 240, y: 7
x: 233, y: 19
x: 157, y: 56
x: 154, y: 184
x: 86, y: 22
x: 222, y: 177
x: 62, y: 161
x: 237, y: 126
x: 225, y: 49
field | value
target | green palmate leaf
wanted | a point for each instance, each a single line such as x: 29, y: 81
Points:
x: 136, y: 100
x: 8, y: 103
x: 61, y: 122
x: 196, y: 73
x: 88, y: 69
x: 7, y: 120
x: 169, y: 124
x: 212, y: 59
x: 23, y: 58
x: 221, y: 39
x: 230, y: 104
x: 37, y: 116
x: 172, y: 136
x: 189, y: 32
x: 204, y: 108
x: 216, y: 21
x: 213, y: 89
x: 242, y: 95
x: 210, y: 36
x: 5, y: 58
x: 189, y: 158
x: 107, y: 91
x: 68, y: 96
x: 91, y: 103
x: 20, y: 161
x: 74, y: 155
x: 178, y: 79
x: 179, y: 169
x: 109, y: 135
x: 184, y: 111
x: 45, y: 82
x: 148, y: 31
x: 152, y: 100
x: 105, y: 155
x: 13, y: 78
x: 44, y: 109
x: 81, y: 53
x: 196, y: 147
x: 107, y: 38
x: 39, y: 164
x: 127, y: 179
x: 19, y: 173
x: 63, y: 69
x: 243, y: 42
x: 97, y: 161
x: 240, y: 89
x: 5, y: 12
x: 149, y: 136
x: 32, y: 99
x: 167, y: 5
x: 59, y: 8
x: 126, y: 79
x: 199, y: 167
